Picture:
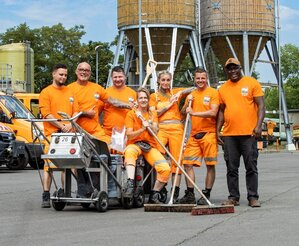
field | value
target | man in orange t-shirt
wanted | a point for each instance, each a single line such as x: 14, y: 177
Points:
x: 90, y: 98
x: 114, y: 117
x: 54, y: 98
x: 241, y: 113
x: 202, y: 143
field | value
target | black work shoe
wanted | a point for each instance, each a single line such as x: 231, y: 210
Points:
x: 176, y: 195
x: 129, y: 188
x: 154, y: 197
x: 188, y: 198
x: 202, y: 201
x: 46, y: 200
x: 163, y: 195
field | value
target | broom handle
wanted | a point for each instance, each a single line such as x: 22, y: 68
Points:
x: 176, y: 163
x: 180, y: 156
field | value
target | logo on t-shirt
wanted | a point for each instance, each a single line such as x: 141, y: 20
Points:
x: 71, y: 99
x: 96, y: 96
x: 244, y: 91
x: 206, y: 100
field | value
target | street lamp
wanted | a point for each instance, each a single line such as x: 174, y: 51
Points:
x: 97, y: 63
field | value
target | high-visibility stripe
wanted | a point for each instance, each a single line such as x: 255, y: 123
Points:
x: 159, y: 162
x: 189, y: 158
x: 210, y: 158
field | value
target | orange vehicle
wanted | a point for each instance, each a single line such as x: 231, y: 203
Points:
x: 30, y: 100
x: 14, y: 115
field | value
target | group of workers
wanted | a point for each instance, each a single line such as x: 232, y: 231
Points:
x: 231, y: 116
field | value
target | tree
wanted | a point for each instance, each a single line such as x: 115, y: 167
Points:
x: 290, y: 75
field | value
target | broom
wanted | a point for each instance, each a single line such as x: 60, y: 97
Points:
x: 195, y: 210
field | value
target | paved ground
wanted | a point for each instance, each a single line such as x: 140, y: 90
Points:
x: 23, y: 222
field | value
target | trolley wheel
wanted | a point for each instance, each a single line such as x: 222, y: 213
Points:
x: 127, y: 202
x: 163, y: 195
x: 102, y: 203
x: 85, y: 205
x: 58, y: 206
x: 139, y: 200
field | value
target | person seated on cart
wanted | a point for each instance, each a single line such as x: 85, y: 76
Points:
x: 141, y: 142
x: 54, y: 98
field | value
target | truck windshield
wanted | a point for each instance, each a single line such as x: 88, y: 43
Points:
x: 15, y: 107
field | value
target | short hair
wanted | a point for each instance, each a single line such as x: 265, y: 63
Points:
x: 118, y: 69
x: 59, y: 65
x: 164, y: 72
x: 200, y: 70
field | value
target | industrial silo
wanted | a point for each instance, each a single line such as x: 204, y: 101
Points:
x: 17, y: 67
x: 237, y: 28
x: 167, y: 30
x: 242, y: 29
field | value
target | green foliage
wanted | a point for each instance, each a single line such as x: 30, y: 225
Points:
x: 57, y: 44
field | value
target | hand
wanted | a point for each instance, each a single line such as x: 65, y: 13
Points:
x: 145, y: 123
x: 257, y: 132
x: 219, y: 139
x: 138, y: 114
x: 90, y: 113
x: 67, y: 128
x: 189, y: 97
x: 189, y: 110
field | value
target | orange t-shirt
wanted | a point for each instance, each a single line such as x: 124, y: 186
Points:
x: 202, y: 101
x: 52, y: 100
x: 113, y: 116
x: 159, y: 100
x: 89, y: 96
x: 132, y: 121
x: 240, y: 113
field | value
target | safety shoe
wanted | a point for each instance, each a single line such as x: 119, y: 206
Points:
x: 176, y: 195
x: 46, y: 200
x: 202, y: 201
x: 129, y: 188
x: 254, y: 203
x: 163, y: 195
x: 231, y: 202
x: 188, y: 198
x: 154, y: 197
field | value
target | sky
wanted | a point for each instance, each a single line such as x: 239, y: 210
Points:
x: 99, y: 18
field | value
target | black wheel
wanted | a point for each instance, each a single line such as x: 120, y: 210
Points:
x: 139, y: 199
x: 85, y: 205
x: 163, y: 195
x: 57, y: 205
x: 19, y: 163
x: 102, y: 203
x: 33, y: 164
x: 127, y: 202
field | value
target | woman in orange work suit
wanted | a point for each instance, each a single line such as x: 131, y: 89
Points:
x: 166, y: 103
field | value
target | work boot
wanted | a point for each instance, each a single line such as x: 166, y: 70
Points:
x: 154, y: 197
x: 202, y: 201
x: 46, y: 200
x: 163, y: 195
x: 188, y: 198
x: 176, y: 195
x: 129, y: 188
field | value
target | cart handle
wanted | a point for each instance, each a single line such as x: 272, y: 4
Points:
x: 65, y: 115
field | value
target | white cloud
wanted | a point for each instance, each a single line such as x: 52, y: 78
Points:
x: 286, y: 13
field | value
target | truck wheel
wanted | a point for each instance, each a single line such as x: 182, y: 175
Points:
x: 20, y: 163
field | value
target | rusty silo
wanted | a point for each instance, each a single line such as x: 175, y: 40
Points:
x: 242, y: 29
x: 239, y: 28
x: 168, y: 31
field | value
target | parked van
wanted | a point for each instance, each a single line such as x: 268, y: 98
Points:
x: 14, y: 114
x: 30, y: 100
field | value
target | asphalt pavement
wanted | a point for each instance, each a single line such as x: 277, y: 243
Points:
x: 24, y: 222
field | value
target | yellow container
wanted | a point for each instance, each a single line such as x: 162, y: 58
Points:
x: 21, y: 59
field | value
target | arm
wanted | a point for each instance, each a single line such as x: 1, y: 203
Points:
x: 164, y: 109
x: 134, y: 134
x: 257, y: 131
x: 220, y: 121
x: 59, y: 124
x: 118, y: 104
x: 211, y: 113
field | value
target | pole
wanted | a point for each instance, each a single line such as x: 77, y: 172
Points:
x: 97, y: 62
x: 140, y: 41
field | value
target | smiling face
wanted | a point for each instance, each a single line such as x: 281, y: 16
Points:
x: 83, y: 72
x: 142, y: 100
x: 200, y: 80
x: 233, y: 72
x: 118, y: 79
x: 164, y: 81
x: 59, y: 76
